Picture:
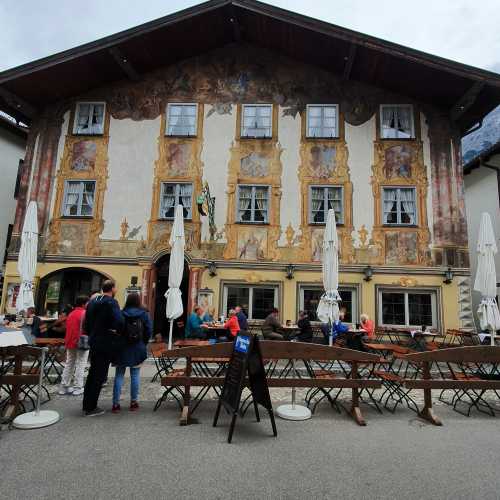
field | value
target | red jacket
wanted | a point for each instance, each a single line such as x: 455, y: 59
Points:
x: 74, y: 324
x: 233, y: 325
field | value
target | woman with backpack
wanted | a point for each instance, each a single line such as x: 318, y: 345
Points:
x: 137, y: 331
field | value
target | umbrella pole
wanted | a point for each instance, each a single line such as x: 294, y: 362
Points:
x: 170, y: 334
x: 492, y: 337
x: 330, y: 333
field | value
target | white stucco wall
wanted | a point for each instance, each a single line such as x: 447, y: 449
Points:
x: 132, y: 151
x: 359, y: 141
x: 424, y: 133
x: 481, y: 195
x: 12, y: 150
x: 289, y: 130
x: 218, y: 134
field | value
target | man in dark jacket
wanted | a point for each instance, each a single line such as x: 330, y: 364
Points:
x: 104, y: 324
x: 242, y: 319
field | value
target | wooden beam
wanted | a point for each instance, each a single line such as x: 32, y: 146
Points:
x: 235, y: 24
x: 124, y: 63
x: 466, y: 101
x: 18, y: 103
x: 349, y: 61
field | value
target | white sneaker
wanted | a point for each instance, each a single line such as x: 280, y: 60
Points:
x: 65, y: 390
x: 77, y: 392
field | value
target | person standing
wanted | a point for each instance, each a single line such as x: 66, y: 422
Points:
x: 242, y: 319
x: 76, y: 356
x: 137, y: 331
x: 104, y: 324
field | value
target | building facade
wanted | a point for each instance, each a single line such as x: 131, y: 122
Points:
x: 276, y: 141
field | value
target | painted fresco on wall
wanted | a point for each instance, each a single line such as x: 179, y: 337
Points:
x: 317, y: 244
x: 398, y: 162
x: 254, y: 165
x: 323, y: 161
x: 83, y: 156
x: 252, y: 243
x: 178, y: 159
x: 401, y: 247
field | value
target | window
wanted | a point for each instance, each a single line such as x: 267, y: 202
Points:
x: 89, y: 118
x: 309, y: 297
x: 173, y: 194
x: 78, y: 199
x: 257, y: 120
x: 408, y: 309
x: 181, y: 119
x: 322, y: 199
x: 322, y: 120
x: 399, y: 206
x: 396, y: 121
x: 253, y: 204
x: 256, y: 301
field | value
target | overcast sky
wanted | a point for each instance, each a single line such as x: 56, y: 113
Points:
x: 456, y: 29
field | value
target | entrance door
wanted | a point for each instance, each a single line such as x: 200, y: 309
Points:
x: 161, y: 323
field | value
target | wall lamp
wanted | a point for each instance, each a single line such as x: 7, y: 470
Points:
x: 212, y: 268
x: 290, y: 270
x: 448, y: 276
x: 368, y: 272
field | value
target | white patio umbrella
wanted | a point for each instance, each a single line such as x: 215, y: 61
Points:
x: 486, y: 278
x: 328, y: 307
x: 175, y: 270
x: 26, y: 264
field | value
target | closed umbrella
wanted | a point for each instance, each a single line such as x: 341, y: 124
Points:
x: 175, y: 270
x: 26, y: 265
x: 328, y: 307
x: 486, y: 278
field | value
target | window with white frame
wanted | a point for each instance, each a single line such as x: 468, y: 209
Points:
x: 322, y: 120
x: 173, y: 194
x: 89, y: 118
x: 396, y: 121
x: 78, y: 199
x: 407, y: 308
x: 256, y: 301
x: 256, y: 120
x: 253, y: 204
x: 399, y: 206
x: 309, y: 296
x: 322, y: 198
x: 182, y: 119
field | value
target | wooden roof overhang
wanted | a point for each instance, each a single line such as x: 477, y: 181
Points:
x: 465, y: 92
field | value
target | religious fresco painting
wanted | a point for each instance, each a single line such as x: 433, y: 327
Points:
x: 254, y: 165
x: 398, y: 162
x: 323, y: 161
x: 73, y: 239
x: 252, y: 243
x: 178, y: 159
x: 83, y: 156
x: 401, y: 247
x: 317, y: 244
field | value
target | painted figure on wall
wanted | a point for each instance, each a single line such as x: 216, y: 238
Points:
x: 252, y: 244
x: 398, y: 162
x: 323, y: 161
x: 317, y: 244
x: 178, y: 159
x: 83, y: 156
x: 401, y: 248
x: 254, y: 165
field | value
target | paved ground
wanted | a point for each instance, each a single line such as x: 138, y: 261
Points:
x: 147, y: 455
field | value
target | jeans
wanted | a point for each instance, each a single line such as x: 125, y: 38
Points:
x: 134, y: 383
x: 99, y: 365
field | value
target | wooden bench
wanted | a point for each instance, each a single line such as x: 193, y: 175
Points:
x: 460, y: 356
x: 278, y: 350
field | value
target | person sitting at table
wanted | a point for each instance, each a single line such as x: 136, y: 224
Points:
x: 209, y: 316
x: 367, y: 325
x: 232, y: 323
x: 271, y: 328
x: 306, y: 333
x: 194, y: 325
x: 417, y: 342
x: 58, y: 328
x: 242, y: 319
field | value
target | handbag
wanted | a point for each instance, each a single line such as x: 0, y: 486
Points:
x: 83, y: 340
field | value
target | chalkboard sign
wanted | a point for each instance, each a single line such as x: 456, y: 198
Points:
x: 246, y: 360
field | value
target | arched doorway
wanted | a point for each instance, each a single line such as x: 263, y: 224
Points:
x: 62, y: 287
x: 161, y: 323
